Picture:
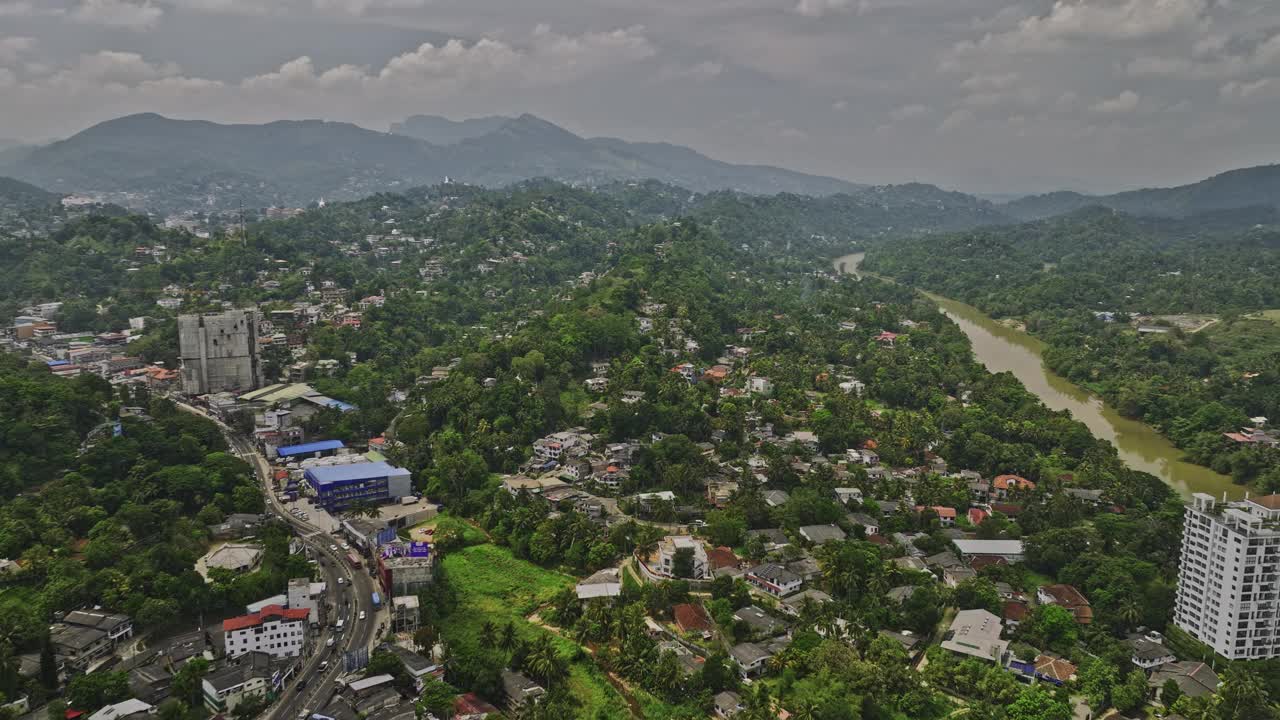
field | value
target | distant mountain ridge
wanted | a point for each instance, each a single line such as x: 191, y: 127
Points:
x: 1254, y: 187
x: 511, y: 149
x: 148, y: 160
x: 18, y: 194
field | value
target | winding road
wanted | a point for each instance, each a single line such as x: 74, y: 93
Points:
x: 346, y: 600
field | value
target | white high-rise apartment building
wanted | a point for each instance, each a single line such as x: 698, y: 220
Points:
x: 1229, y: 579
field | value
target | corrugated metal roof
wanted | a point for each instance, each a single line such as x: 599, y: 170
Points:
x: 278, y: 392
x: 311, y: 447
x: 354, y: 471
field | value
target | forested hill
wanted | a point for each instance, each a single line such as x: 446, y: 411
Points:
x: 177, y: 164
x: 824, y: 226
x: 1237, y: 189
x: 15, y: 194
x: 1095, y: 259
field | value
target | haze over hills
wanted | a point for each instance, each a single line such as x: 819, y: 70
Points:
x: 443, y: 131
x: 502, y: 150
x: 151, y: 161
x: 1247, y: 187
x: 17, y: 194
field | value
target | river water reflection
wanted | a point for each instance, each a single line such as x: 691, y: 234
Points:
x: 1004, y: 349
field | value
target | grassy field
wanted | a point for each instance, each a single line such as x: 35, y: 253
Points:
x: 1247, y: 346
x: 493, y: 585
x: 470, y: 534
x: 1272, y: 315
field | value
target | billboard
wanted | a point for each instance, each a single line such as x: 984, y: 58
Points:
x: 416, y: 549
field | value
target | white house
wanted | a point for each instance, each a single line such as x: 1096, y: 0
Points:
x: 275, y: 630
x: 774, y: 579
x: 663, y: 560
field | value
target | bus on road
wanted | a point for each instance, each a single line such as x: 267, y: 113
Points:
x: 353, y: 560
x: 377, y: 601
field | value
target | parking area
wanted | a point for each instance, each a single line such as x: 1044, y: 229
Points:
x: 306, y: 511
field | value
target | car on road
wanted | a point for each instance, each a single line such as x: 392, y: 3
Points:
x: 362, y: 615
x: 333, y: 548
x: 346, y: 546
x: 328, y: 643
x: 342, y: 581
x: 324, y: 665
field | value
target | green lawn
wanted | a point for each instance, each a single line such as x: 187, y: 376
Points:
x: 491, y: 584
x: 1272, y: 315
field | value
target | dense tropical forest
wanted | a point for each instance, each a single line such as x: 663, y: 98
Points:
x: 1165, y: 319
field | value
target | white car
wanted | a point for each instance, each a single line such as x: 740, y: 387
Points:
x: 346, y: 546
x: 333, y: 548
x: 342, y: 581
x: 361, y: 615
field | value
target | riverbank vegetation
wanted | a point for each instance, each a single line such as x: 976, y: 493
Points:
x: 1109, y: 295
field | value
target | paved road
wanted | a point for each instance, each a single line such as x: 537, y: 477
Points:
x: 347, y: 600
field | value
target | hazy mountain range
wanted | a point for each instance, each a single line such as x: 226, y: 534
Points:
x: 152, y: 161
x: 1236, y: 189
x: 149, y: 161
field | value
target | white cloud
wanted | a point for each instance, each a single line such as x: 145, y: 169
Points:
x: 840, y: 105
x: 97, y: 86
x: 114, y: 68
x: 1125, y: 102
x: 1216, y: 56
x: 13, y: 47
x: 906, y: 112
x: 430, y: 70
x: 1245, y: 92
x: 956, y: 120
x: 989, y: 83
x: 1084, y: 20
x: 818, y: 8
x: 301, y: 8
x: 233, y: 7
x: 704, y: 71
x: 118, y: 13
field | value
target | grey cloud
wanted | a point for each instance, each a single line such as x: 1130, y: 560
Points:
x: 991, y: 95
x: 1125, y: 102
x: 118, y: 13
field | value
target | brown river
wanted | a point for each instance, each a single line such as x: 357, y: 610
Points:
x: 1004, y: 349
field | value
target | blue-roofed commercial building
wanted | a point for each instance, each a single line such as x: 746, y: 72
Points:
x: 320, y: 448
x: 337, y: 487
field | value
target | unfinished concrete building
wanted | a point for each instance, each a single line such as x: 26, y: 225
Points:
x: 219, y: 352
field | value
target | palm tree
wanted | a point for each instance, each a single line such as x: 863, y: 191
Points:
x: 507, y: 642
x: 806, y: 710
x: 543, y: 660
x: 1130, y: 611
x: 487, y: 634
x: 647, y: 547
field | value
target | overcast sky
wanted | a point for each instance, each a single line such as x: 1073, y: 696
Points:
x: 978, y: 95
